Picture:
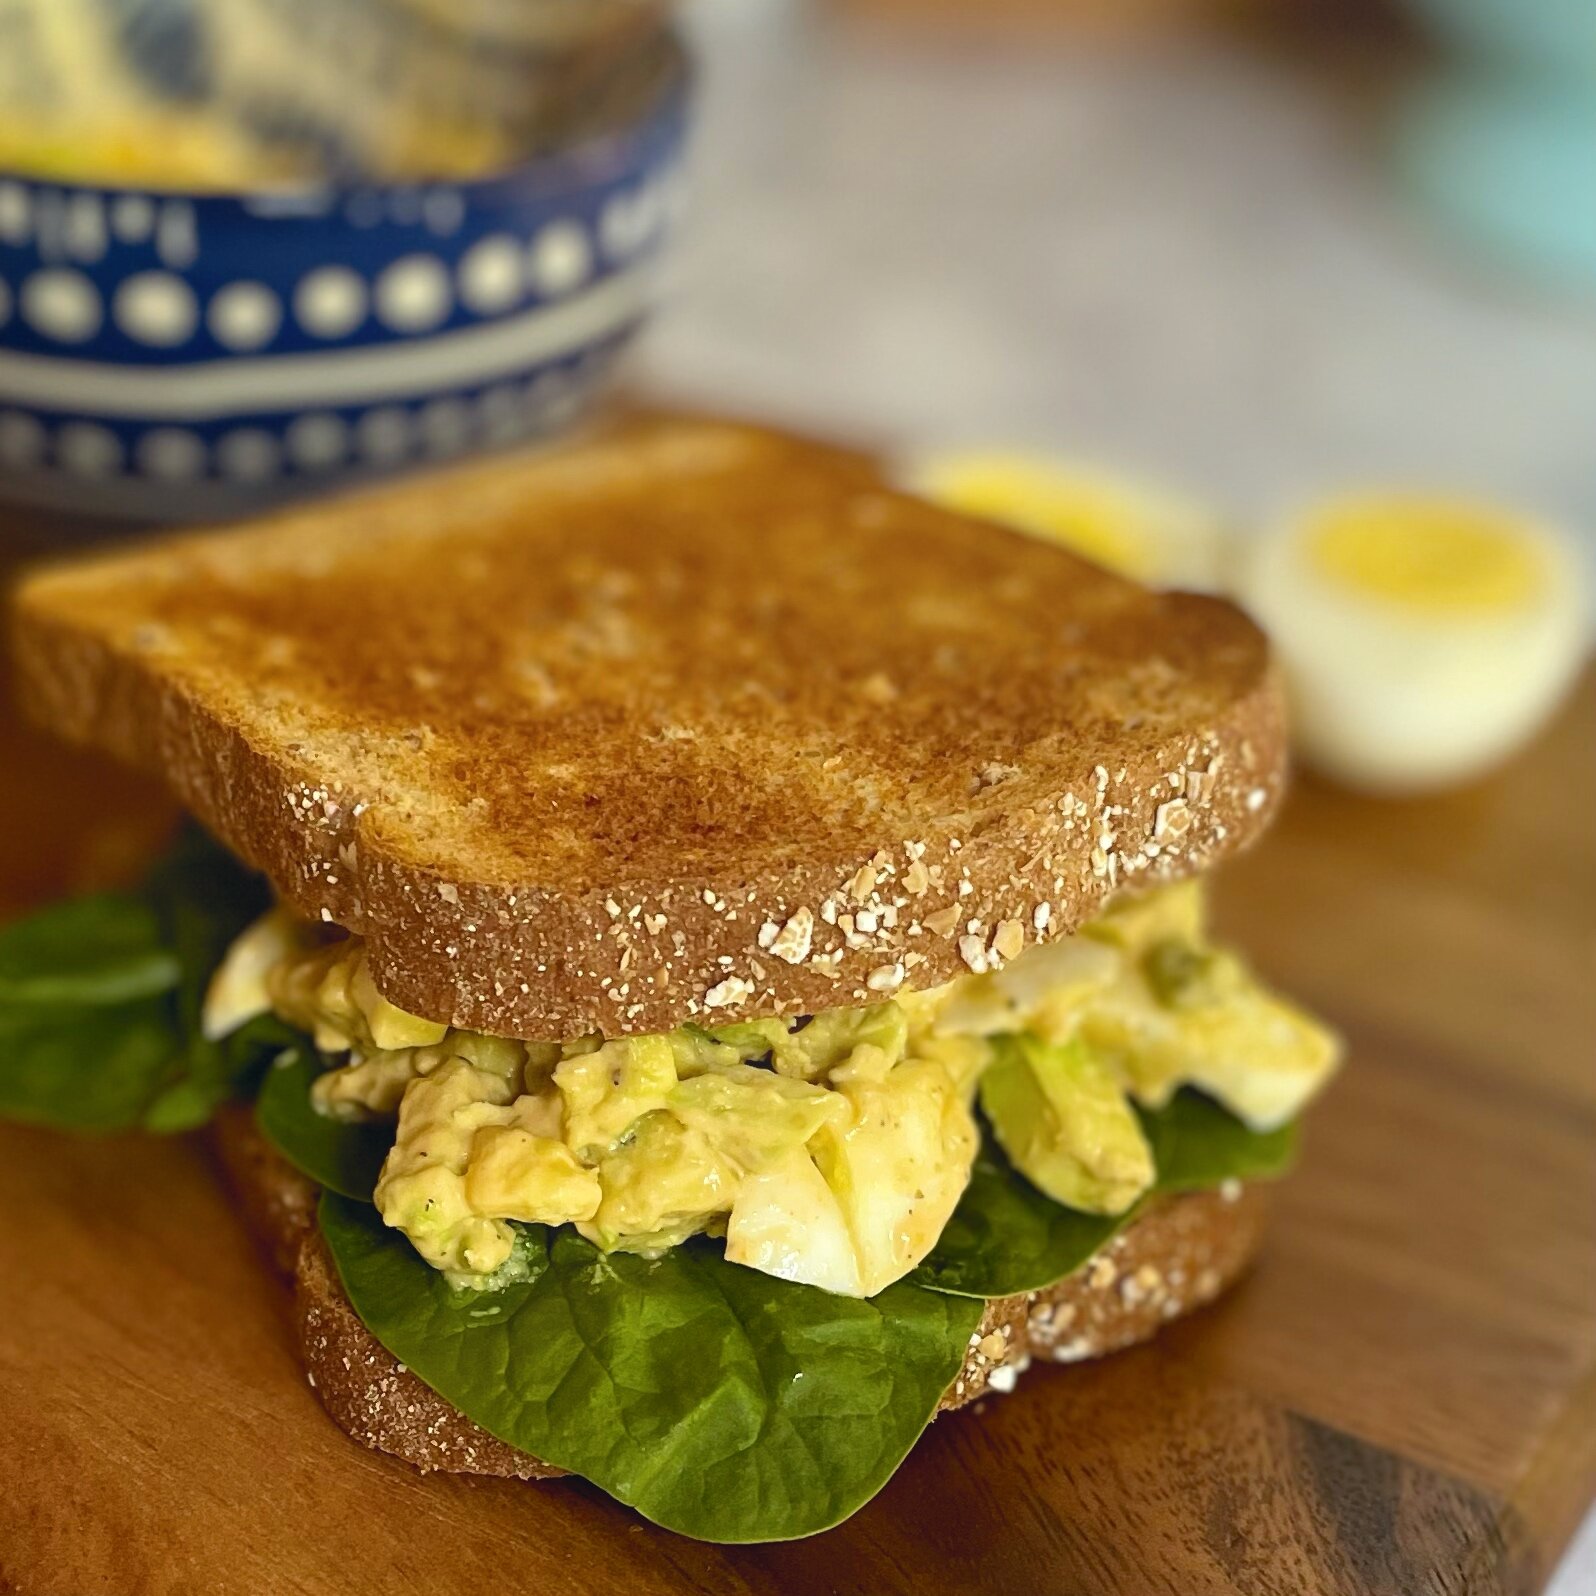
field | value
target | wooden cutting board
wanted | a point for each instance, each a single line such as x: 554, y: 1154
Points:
x: 1402, y: 1398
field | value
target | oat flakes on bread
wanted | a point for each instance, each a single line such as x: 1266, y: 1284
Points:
x: 703, y: 721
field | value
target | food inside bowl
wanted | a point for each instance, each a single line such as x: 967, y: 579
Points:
x: 157, y: 148
x: 216, y: 95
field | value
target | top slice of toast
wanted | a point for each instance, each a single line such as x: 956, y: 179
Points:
x: 697, y: 720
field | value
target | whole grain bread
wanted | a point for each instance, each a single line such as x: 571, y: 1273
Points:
x: 1180, y: 1255
x: 699, y: 720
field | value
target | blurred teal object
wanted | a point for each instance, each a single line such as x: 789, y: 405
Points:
x: 1501, y: 145
x: 1550, y: 37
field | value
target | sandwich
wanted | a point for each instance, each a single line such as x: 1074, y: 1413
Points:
x: 693, y: 962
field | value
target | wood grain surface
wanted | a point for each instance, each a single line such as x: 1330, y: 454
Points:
x: 1401, y: 1399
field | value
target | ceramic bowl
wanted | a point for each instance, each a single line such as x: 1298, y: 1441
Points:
x: 179, y: 356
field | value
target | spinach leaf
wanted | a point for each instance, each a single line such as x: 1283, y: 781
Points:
x: 89, y: 952
x: 95, y: 1068
x: 344, y: 1156
x: 717, y: 1401
x: 100, y: 1000
x: 1197, y: 1144
x: 203, y: 897
x: 203, y: 1075
x: 1006, y: 1237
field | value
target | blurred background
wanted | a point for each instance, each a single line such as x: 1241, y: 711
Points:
x: 1180, y: 235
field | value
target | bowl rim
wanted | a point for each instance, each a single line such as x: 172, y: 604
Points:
x: 546, y: 171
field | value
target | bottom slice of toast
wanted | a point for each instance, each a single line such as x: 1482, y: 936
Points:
x: 1180, y: 1254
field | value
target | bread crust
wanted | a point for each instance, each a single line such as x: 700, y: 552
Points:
x: 1177, y: 1257
x: 812, y: 740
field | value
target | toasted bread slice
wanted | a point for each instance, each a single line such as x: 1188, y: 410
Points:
x: 1177, y: 1257
x: 697, y: 721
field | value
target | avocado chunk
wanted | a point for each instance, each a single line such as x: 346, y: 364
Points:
x: 809, y: 1051
x: 1063, y: 1119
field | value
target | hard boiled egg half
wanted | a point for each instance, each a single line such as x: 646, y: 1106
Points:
x: 1423, y: 638
x: 1156, y: 537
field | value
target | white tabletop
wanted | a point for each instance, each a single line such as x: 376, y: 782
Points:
x: 1182, y: 262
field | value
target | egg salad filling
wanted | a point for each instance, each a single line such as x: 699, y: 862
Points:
x: 830, y: 1149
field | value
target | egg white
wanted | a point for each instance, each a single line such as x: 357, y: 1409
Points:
x: 1399, y: 697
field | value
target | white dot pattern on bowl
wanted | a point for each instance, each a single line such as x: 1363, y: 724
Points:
x: 62, y: 304
x: 245, y: 316
x: 274, y: 367
x: 16, y: 214
x: 444, y: 211
x: 445, y: 426
x: 248, y: 454
x: 156, y: 308
x: 22, y: 439
x: 490, y: 275
x: 414, y: 295
x: 171, y: 454
x: 132, y: 218
x: 501, y: 412
x: 312, y: 444
x: 383, y: 436
x: 330, y: 302
x: 317, y: 442
x: 88, y: 450
x: 83, y: 229
x: 559, y: 260
x: 176, y: 234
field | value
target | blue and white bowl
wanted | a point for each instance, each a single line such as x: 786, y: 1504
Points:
x: 172, y: 356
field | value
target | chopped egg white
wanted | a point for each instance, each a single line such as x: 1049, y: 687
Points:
x: 1152, y: 535
x: 237, y: 991
x: 1424, y: 639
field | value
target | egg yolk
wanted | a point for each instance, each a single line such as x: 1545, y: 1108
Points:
x: 1095, y: 519
x: 1433, y: 555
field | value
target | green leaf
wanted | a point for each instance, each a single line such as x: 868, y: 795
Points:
x: 90, y: 1069
x: 208, y: 1074
x: 341, y: 1155
x: 1006, y: 1237
x: 100, y: 1000
x: 716, y: 1400
x: 203, y: 898
x: 1197, y: 1144
x: 89, y: 951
